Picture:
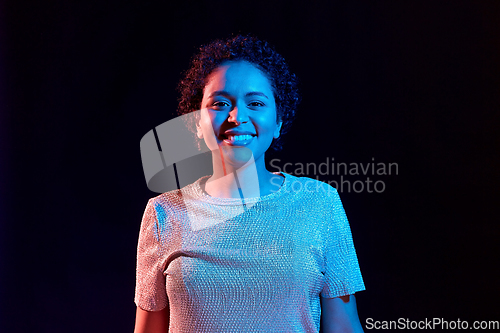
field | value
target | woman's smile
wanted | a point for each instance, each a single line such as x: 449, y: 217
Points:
x: 238, y: 140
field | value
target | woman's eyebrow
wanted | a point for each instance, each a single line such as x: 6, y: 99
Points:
x: 256, y: 93
x: 226, y: 94
x: 219, y: 93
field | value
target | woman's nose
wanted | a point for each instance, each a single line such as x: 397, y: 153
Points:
x: 238, y: 115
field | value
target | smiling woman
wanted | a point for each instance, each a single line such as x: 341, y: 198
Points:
x: 243, y: 249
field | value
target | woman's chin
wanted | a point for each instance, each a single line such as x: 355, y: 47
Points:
x: 237, y: 156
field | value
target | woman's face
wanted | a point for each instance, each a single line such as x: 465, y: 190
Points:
x: 240, y: 104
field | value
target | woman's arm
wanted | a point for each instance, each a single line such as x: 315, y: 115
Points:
x: 339, y: 314
x: 152, y: 321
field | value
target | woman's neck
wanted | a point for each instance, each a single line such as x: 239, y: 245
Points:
x: 245, y: 181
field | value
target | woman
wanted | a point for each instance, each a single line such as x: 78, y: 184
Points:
x: 245, y: 249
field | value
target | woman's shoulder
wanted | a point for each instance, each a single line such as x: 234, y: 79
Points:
x: 310, y: 186
x: 176, y: 198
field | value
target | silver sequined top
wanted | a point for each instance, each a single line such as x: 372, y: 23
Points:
x: 261, y: 266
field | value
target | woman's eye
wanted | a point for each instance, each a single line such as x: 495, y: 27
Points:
x: 256, y: 104
x: 220, y: 104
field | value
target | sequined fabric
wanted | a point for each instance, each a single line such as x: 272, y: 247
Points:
x: 261, y: 266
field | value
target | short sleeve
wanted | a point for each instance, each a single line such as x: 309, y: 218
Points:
x: 150, y: 289
x: 342, y: 273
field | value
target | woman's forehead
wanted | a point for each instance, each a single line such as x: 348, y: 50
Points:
x: 237, y: 76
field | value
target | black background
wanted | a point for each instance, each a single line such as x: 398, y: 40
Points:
x: 410, y: 82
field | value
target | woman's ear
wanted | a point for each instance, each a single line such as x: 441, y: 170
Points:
x: 199, y: 132
x: 277, y: 130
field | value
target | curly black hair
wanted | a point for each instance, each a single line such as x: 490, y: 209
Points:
x: 257, y: 52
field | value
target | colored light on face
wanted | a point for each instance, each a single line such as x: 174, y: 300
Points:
x: 240, y: 105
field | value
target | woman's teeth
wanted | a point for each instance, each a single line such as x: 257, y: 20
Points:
x: 235, y: 138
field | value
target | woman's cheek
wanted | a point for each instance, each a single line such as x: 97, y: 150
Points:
x: 217, y: 119
x: 267, y: 122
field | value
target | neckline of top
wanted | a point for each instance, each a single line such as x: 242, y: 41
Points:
x: 199, y: 193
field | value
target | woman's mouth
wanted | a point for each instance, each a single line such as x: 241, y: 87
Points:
x: 238, y: 140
